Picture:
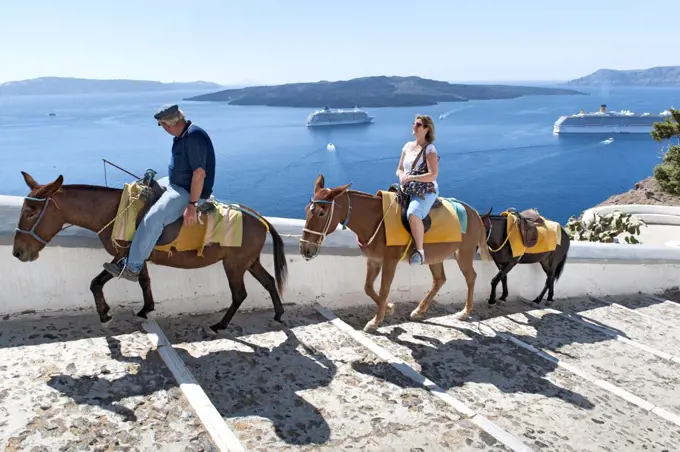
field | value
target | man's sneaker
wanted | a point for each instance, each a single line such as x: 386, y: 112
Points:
x: 119, y: 270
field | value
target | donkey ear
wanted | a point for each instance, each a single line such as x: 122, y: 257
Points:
x: 319, y: 183
x: 32, y: 184
x: 52, y: 187
x: 339, y: 190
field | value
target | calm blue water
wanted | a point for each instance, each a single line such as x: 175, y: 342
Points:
x: 493, y: 153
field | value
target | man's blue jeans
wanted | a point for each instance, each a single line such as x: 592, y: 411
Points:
x: 169, y: 207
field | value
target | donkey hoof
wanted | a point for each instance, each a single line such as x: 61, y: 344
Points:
x: 211, y: 331
x: 144, y: 315
x: 140, y: 318
x: 416, y: 315
x: 390, y: 309
x: 462, y: 315
x: 371, y: 327
x: 106, y: 321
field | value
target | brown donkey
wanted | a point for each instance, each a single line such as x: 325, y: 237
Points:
x: 47, y: 208
x: 362, y: 213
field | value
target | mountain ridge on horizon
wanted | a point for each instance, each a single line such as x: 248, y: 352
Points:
x: 653, y: 76
x: 78, y: 85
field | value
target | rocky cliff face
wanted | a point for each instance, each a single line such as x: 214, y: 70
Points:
x: 647, y: 191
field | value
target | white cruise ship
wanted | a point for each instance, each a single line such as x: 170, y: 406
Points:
x: 331, y: 117
x: 604, y: 121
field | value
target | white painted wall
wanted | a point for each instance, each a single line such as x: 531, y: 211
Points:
x: 651, y: 214
x: 59, y: 280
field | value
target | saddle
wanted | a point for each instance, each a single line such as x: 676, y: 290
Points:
x: 404, y: 199
x: 151, y: 193
x: 528, y: 222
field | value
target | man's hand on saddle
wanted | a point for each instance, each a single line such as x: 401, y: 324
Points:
x: 190, y: 216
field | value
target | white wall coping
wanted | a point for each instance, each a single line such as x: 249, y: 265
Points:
x: 344, y: 242
x: 650, y: 213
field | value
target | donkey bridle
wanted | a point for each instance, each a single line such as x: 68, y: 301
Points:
x: 324, y: 232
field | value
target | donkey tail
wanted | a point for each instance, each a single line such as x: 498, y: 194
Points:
x: 280, y: 266
x: 482, y: 245
x: 560, y: 266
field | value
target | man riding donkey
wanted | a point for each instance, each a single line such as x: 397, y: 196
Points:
x: 233, y: 233
x: 191, y: 175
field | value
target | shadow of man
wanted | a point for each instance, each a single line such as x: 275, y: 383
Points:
x: 266, y: 383
x: 107, y: 394
x: 262, y: 383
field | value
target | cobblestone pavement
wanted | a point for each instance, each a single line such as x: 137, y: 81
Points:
x: 66, y: 384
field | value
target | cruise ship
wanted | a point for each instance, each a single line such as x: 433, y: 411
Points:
x: 331, y: 117
x: 603, y: 121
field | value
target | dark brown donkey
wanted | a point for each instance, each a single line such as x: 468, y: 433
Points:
x: 552, y: 262
x: 362, y: 213
x: 47, y: 208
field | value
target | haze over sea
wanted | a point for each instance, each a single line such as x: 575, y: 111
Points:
x: 499, y: 153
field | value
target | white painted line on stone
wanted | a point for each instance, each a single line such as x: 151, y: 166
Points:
x: 547, y: 356
x: 223, y: 437
x: 632, y: 398
x: 580, y: 319
x: 482, y: 422
x: 585, y: 321
x: 637, y: 312
x: 672, y: 417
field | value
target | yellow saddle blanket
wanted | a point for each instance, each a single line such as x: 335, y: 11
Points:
x: 445, y: 228
x: 549, y: 236
x: 223, y: 225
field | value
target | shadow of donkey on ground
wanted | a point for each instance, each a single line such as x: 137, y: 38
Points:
x: 259, y: 383
x: 482, y: 360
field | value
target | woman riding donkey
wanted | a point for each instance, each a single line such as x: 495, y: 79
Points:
x: 381, y: 244
x: 419, y: 182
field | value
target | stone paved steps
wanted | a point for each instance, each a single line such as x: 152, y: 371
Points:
x: 67, y: 384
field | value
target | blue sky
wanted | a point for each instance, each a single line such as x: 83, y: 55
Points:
x: 266, y: 41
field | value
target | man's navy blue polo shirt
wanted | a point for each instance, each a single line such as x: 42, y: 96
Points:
x: 191, y: 150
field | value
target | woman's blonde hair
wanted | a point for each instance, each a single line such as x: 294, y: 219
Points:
x: 427, y: 122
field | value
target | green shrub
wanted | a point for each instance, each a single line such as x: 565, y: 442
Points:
x: 606, y: 228
x: 667, y: 173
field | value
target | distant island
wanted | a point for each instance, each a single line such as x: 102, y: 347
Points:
x: 70, y: 85
x: 656, y: 76
x: 379, y: 91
